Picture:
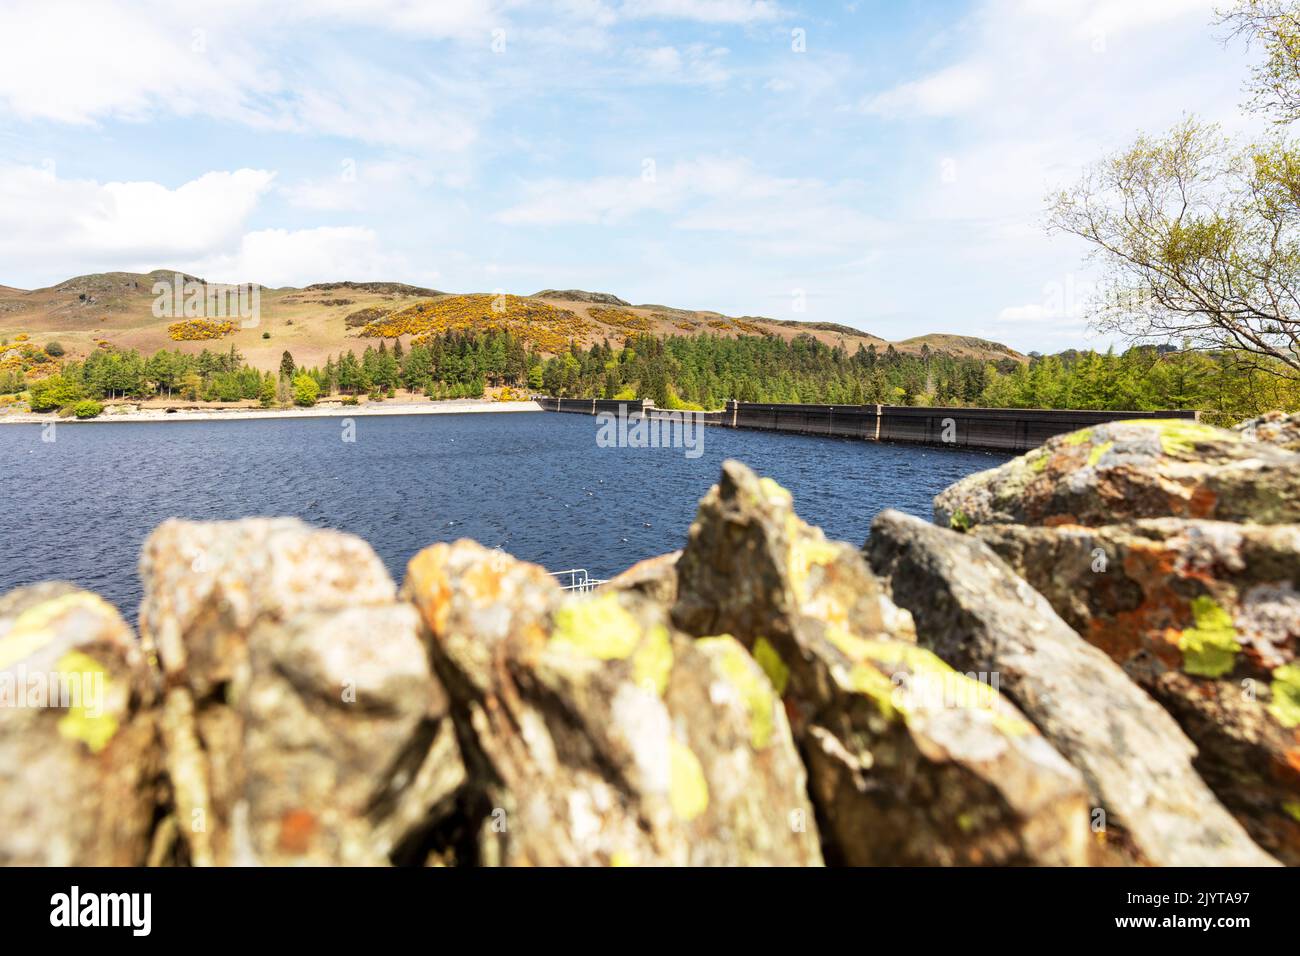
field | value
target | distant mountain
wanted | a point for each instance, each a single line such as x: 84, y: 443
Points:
x: 322, y: 319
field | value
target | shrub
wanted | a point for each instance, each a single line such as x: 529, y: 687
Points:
x: 350, y: 400
x: 266, y: 335
x: 87, y: 408
x: 55, y: 350
x: 53, y: 392
x: 195, y: 329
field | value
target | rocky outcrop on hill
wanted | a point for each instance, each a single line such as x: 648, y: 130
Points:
x: 578, y: 295
x: 1102, y: 671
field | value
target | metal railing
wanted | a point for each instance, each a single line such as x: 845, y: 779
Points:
x: 577, y: 580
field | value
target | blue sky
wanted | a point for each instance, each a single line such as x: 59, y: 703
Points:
x: 879, y: 164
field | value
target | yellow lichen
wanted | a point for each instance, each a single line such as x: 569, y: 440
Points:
x: 774, y: 493
x: 1094, y: 456
x: 755, y: 689
x: 808, y: 549
x: 869, y: 675
x: 596, y: 627
x: 1081, y: 437
x: 1285, y: 705
x: 1180, y: 436
x: 1210, y: 648
x: 767, y: 657
x: 688, y: 791
x: 88, y: 721
x: 652, y: 662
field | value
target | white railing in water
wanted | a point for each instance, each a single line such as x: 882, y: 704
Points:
x: 577, y: 580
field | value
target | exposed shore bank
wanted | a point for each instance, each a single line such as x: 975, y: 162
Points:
x: 333, y: 410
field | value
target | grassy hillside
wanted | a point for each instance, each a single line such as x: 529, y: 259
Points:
x: 326, y: 318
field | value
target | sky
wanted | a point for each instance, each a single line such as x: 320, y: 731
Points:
x: 880, y: 163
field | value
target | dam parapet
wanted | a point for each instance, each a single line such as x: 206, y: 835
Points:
x: 1002, y: 429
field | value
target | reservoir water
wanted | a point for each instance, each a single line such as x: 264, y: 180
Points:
x: 534, y: 484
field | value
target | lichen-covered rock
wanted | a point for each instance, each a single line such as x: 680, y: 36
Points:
x: 972, y: 610
x: 80, y: 763
x: 596, y: 734
x: 909, y: 762
x: 656, y: 578
x: 301, y: 718
x: 1147, y: 468
x: 1205, y: 615
x: 1275, y: 428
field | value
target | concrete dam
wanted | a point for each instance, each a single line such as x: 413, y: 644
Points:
x: 1003, y: 429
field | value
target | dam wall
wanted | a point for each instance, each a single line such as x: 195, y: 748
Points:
x: 1002, y: 429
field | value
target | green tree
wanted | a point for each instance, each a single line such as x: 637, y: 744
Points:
x: 1199, y: 235
x: 305, y: 390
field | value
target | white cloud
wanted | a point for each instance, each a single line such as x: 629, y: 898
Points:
x: 107, y: 59
x: 956, y: 89
x: 100, y: 59
x: 118, y: 222
x: 695, y: 63
x: 1098, y: 19
x: 706, y: 11
x: 777, y: 215
x: 371, y: 185
x: 199, y: 227
x: 282, y: 257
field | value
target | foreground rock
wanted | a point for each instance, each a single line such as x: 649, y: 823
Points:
x: 596, y: 734
x: 1274, y: 428
x: 975, y: 613
x: 79, y: 765
x: 656, y: 578
x: 1125, y: 470
x: 1205, y: 616
x: 909, y: 762
x: 301, y: 720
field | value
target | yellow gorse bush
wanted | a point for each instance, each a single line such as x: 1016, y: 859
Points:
x: 192, y: 330
x: 620, y: 319
x: 548, y: 328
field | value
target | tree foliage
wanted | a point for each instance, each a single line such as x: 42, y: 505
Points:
x: 1198, y: 236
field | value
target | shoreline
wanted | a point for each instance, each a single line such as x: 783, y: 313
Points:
x: 450, y: 407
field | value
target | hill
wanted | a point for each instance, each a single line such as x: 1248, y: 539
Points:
x: 324, y: 319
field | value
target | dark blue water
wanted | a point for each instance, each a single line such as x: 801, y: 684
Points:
x: 534, y: 484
